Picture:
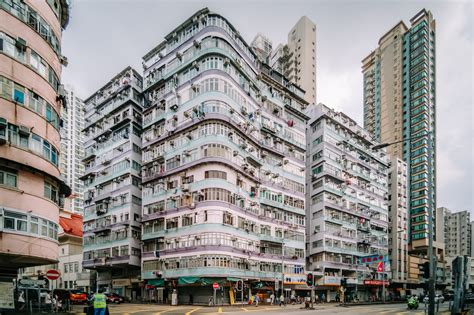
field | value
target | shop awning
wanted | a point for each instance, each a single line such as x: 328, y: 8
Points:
x: 201, y: 281
x: 188, y: 280
x: 156, y: 282
x: 233, y: 279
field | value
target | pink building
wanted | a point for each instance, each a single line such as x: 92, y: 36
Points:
x: 31, y: 98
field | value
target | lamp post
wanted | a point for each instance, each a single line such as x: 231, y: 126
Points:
x: 432, y: 279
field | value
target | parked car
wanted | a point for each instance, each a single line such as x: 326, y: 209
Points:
x: 78, y: 297
x: 448, y: 295
x: 114, y: 298
x: 469, y: 298
x: 438, y: 297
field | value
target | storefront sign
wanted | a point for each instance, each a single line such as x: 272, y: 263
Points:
x: 328, y: 280
x: 376, y: 282
x: 6, y: 295
x: 121, y: 282
x: 295, y: 279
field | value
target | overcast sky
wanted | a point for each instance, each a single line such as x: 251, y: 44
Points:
x: 103, y: 37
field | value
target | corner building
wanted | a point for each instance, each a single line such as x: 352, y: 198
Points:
x: 112, y: 191
x: 347, y: 209
x: 31, y: 99
x: 223, y: 167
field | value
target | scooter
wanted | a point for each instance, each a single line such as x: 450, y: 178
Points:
x: 413, y: 303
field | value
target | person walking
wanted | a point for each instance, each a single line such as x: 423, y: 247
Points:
x: 48, y: 302
x: 256, y: 298
x: 282, y: 300
x: 21, y: 301
x: 323, y: 298
x: 100, y: 303
x: 272, y: 299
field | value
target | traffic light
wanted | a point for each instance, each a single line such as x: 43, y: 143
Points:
x: 309, y: 279
x: 426, y: 269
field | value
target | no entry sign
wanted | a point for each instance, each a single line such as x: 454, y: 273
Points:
x: 215, y: 285
x: 52, y: 274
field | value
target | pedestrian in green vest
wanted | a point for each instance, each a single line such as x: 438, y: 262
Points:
x: 100, y: 303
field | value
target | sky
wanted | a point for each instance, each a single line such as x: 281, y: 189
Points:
x: 105, y: 36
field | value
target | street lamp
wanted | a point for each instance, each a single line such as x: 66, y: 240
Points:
x: 432, y: 279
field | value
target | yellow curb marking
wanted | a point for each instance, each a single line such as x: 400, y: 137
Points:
x: 193, y: 310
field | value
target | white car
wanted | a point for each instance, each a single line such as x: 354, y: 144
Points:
x: 438, y: 297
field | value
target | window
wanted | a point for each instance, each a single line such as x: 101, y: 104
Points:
x: 51, y: 192
x: 8, y: 177
x: 34, y: 225
x: 15, y: 221
x: 215, y: 174
x: 19, y: 94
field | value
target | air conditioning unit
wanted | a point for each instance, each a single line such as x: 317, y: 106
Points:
x: 63, y: 60
x: 185, y: 187
x: 195, y: 65
x: 24, y: 130
x: 179, y: 55
x: 20, y: 43
x: 174, y: 107
x: 197, y: 43
x: 195, y: 87
x: 192, y: 205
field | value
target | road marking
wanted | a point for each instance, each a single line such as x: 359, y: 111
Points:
x: 245, y: 310
x: 220, y: 310
x: 193, y: 310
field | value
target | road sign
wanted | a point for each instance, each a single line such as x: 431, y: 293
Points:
x: 215, y: 285
x: 52, y: 274
x: 277, y: 285
x: 31, y: 282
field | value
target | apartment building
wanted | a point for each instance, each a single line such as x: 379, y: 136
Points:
x: 302, y: 45
x: 297, y: 58
x: 457, y: 232
x: 400, y: 103
x: 222, y: 169
x: 112, y: 190
x: 31, y: 99
x: 398, y: 220
x: 347, y: 214
x: 262, y: 47
x: 72, y: 149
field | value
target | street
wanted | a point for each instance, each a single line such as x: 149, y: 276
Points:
x: 146, y: 309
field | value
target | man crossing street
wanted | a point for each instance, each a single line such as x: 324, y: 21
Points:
x: 100, y: 303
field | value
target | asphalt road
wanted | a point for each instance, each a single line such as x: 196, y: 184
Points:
x: 146, y: 309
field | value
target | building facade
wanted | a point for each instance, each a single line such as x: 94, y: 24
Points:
x: 72, y: 274
x: 31, y: 98
x: 457, y: 233
x: 302, y: 47
x: 112, y: 183
x: 223, y: 167
x: 72, y: 150
x: 400, y: 103
x: 347, y: 214
x: 262, y: 47
x: 398, y: 215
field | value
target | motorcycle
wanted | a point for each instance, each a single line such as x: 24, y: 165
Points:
x: 413, y: 303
